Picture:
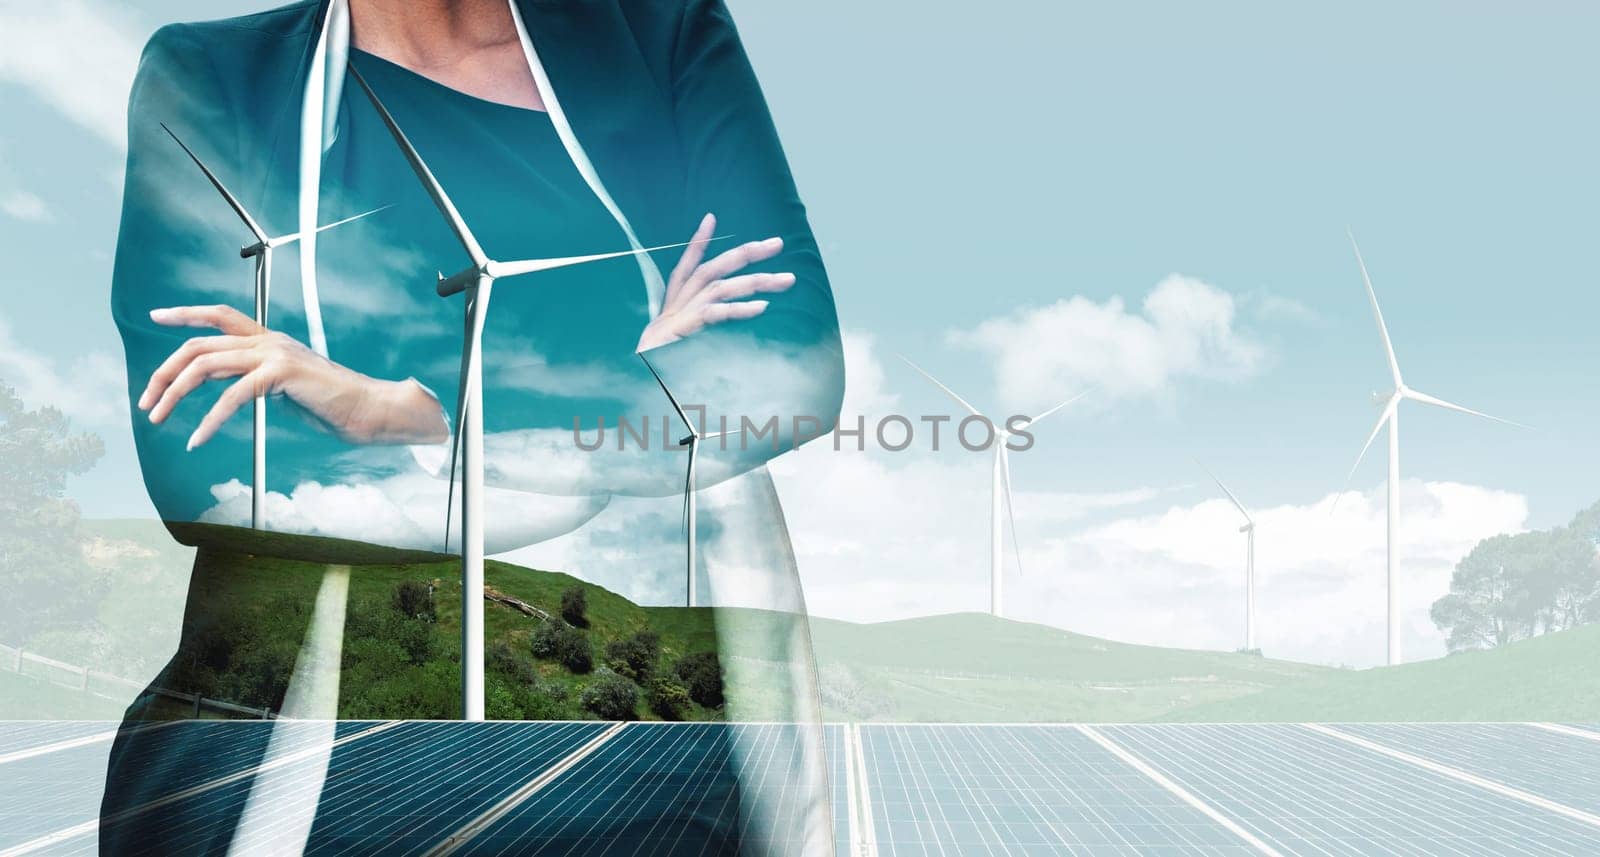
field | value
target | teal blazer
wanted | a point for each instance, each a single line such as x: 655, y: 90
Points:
x: 665, y: 103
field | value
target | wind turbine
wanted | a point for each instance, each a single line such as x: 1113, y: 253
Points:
x: 1000, y: 488
x: 691, y: 441
x: 1391, y: 417
x: 1249, y: 529
x: 477, y: 279
x: 261, y: 251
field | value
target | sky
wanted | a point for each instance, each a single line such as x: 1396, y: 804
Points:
x: 1146, y: 201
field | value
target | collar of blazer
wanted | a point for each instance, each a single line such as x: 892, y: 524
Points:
x: 319, y: 111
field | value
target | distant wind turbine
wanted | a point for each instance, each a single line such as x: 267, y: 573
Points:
x: 261, y: 251
x: 1391, y: 417
x: 1249, y: 529
x: 476, y: 280
x: 1000, y: 489
x: 691, y: 484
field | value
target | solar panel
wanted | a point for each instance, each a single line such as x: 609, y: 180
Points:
x: 1010, y: 789
x: 701, y: 788
x: 652, y: 789
x: 1563, y: 768
x: 1306, y: 793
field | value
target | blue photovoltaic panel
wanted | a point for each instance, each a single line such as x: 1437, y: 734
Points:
x: 654, y: 788
x: 834, y: 737
x: 1022, y: 790
x: 1562, y: 768
x: 19, y: 735
x: 1306, y: 793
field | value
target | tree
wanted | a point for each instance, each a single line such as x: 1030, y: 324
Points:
x: 610, y: 697
x: 1488, y: 601
x: 575, y: 606
x: 635, y: 657
x: 41, y: 550
x: 414, y: 600
x: 668, y: 697
x: 560, y: 642
x: 702, y: 674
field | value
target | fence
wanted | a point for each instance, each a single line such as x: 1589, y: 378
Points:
x: 107, y: 686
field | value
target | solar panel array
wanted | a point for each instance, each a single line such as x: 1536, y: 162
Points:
x: 405, y: 788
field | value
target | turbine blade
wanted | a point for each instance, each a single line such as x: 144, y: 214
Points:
x: 532, y: 266
x: 1033, y: 421
x: 290, y: 239
x: 354, y: 217
x: 477, y: 308
x: 1383, y: 329
x: 670, y: 398
x: 1236, y: 504
x: 1383, y: 419
x: 937, y: 383
x: 233, y: 201
x: 1011, y: 516
x: 1451, y: 406
x: 441, y: 200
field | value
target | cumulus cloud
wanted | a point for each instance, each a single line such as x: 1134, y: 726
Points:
x: 25, y: 206
x: 89, y: 389
x: 403, y: 511
x: 885, y: 536
x: 1183, y: 329
x: 90, y: 85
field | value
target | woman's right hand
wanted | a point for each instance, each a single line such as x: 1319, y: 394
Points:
x: 699, y: 294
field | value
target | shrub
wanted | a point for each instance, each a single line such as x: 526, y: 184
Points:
x: 636, y: 656
x: 575, y: 606
x: 702, y: 674
x: 560, y: 642
x: 414, y: 600
x: 505, y: 660
x: 668, y: 697
x: 610, y: 697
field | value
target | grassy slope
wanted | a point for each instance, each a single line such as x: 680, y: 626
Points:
x: 975, y: 667
x: 1553, y: 677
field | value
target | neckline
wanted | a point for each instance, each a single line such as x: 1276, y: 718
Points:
x: 466, y: 96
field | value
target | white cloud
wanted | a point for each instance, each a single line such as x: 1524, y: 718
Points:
x: 403, y: 511
x: 90, y: 390
x: 22, y: 205
x: 77, y: 56
x: 883, y: 536
x: 1184, y: 328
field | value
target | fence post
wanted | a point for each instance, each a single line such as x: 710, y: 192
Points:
x: 197, y: 699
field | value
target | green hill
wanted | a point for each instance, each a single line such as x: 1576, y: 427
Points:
x: 1547, y: 678
x: 973, y: 667
x: 953, y: 668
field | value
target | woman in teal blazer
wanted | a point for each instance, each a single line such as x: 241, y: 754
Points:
x: 561, y: 127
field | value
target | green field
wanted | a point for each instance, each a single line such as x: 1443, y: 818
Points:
x: 1555, y: 677
x: 953, y: 668
x: 973, y: 667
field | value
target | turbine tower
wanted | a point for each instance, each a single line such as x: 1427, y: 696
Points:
x: 1391, y: 417
x: 261, y: 251
x: 691, y: 485
x: 1000, y: 489
x: 1249, y: 529
x: 477, y: 279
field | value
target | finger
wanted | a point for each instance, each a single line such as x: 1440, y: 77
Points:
x: 730, y: 262
x: 690, y: 259
x: 206, y: 367
x: 257, y: 382
x: 220, y: 316
x: 737, y: 288
x: 174, y: 364
x: 719, y: 313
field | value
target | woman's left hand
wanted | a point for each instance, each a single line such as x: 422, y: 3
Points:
x: 700, y: 294
x: 357, y: 407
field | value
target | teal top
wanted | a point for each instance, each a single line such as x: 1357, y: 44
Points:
x: 558, y: 345
x: 668, y: 110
